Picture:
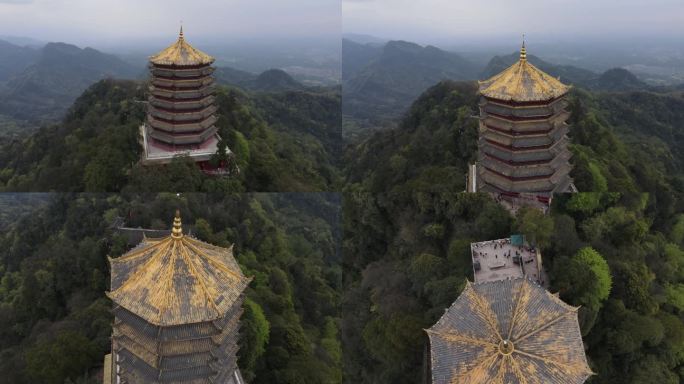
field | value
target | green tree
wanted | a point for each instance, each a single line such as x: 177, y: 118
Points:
x: 254, y: 337
x: 535, y: 225
x: 69, y: 355
x: 106, y: 172
x: 585, y: 203
x: 585, y: 278
x: 203, y: 230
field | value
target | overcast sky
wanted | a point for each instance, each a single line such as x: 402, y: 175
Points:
x: 438, y: 20
x: 88, y: 22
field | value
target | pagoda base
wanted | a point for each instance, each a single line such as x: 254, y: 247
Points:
x: 155, y: 152
x: 512, y: 202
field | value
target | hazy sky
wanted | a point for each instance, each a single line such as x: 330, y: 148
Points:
x: 107, y: 21
x: 430, y: 20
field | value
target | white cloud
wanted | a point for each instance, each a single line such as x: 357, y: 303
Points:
x: 89, y: 20
x: 413, y: 19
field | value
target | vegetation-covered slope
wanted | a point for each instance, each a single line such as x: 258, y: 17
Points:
x: 55, y: 321
x: 618, y: 256
x: 282, y: 142
x: 429, y: 150
x: 618, y: 144
x: 407, y: 234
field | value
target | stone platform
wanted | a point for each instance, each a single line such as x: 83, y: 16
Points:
x: 496, y: 261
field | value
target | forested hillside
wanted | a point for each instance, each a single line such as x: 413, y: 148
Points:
x: 55, y: 321
x: 407, y: 233
x: 619, y: 256
x: 617, y: 143
x: 282, y: 141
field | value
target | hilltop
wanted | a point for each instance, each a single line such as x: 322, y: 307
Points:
x: 282, y: 141
x: 620, y: 141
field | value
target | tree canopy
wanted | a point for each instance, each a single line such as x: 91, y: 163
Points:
x: 55, y: 321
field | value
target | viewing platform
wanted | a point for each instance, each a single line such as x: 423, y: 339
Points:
x: 509, y: 258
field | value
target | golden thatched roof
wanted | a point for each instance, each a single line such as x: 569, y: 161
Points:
x: 181, y: 53
x: 523, y: 81
x: 508, y: 331
x: 177, y: 280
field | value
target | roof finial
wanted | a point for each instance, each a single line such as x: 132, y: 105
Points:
x: 177, y: 231
x: 523, y: 51
x: 180, y: 35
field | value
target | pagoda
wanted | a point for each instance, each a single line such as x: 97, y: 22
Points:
x: 177, y: 305
x: 523, y: 134
x: 507, y: 332
x: 181, y: 114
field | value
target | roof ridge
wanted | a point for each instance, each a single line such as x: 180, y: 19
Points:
x: 511, y: 84
x: 138, y: 273
x: 479, y: 360
x: 181, y: 53
x: 168, y: 271
x: 213, y: 261
x: 191, y: 267
x: 484, y: 306
x: 182, y: 280
x: 136, y: 251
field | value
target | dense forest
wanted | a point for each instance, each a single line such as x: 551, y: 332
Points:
x: 627, y: 141
x: 55, y: 321
x: 618, y: 255
x: 281, y: 141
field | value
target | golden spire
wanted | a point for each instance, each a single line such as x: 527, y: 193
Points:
x: 523, y: 51
x: 180, y: 53
x: 177, y: 231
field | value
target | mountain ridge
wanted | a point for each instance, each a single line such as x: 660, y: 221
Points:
x: 386, y: 85
x: 45, y: 89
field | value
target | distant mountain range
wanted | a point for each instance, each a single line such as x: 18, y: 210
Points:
x: 14, y: 59
x: 567, y: 73
x: 40, y: 83
x: 356, y: 56
x: 381, y: 81
x: 272, y: 80
x: 612, y: 80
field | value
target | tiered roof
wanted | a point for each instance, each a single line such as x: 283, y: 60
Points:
x: 508, y: 331
x: 181, y: 53
x: 523, y: 82
x: 177, y: 280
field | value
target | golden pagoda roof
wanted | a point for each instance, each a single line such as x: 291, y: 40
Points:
x: 181, y: 53
x: 508, y: 331
x: 523, y: 82
x: 177, y: 280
